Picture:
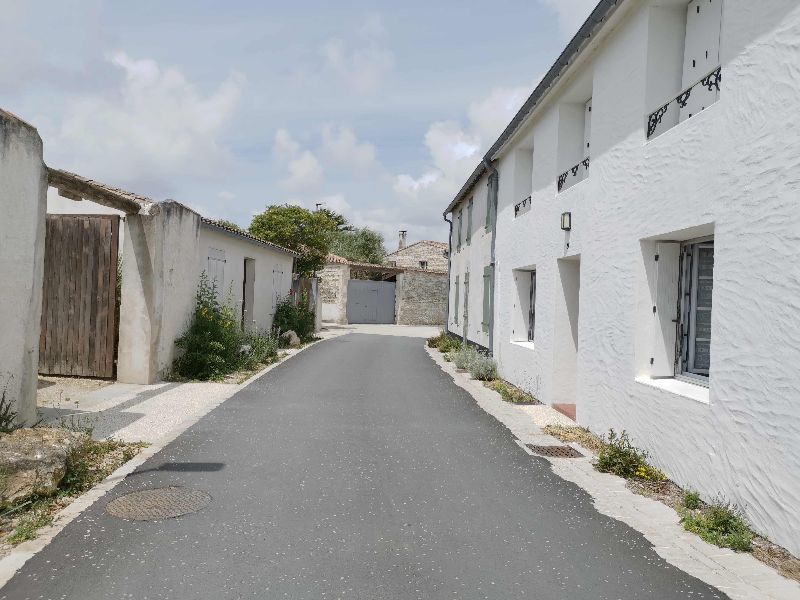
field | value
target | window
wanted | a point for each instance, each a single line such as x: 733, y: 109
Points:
x: 574, y: 139
x: 216, y: 270
x: 455, y: 303
x: 458, y: 229
x: 469, y: 221
x: 491, y: 200
x: 696, y: 287
x: 524, y: 316
x: 392, y: 263
x: 685, y: 74
x: 488, y: 283
x: 682, y: 310
x: 532, y: 307
x: 423, y: 264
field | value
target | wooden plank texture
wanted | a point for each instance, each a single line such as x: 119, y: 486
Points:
x: 79, y: 321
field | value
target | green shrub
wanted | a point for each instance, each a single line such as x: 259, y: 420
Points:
x: 463, y: 357
x: 479, y: 365
x: 622, y: 458
x: 720, y: 524
x: 450, y: 343
x: 483, y: 367
x: 691, y: 500
x: 433, y: 342
x: 8, y: 416
x: 294, y: 317
x: 510, y: 393
x: 214, y: 345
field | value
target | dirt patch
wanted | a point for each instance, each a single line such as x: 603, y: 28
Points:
x: 85, y: 469
x: 66, y: 392
x: 579, y: 435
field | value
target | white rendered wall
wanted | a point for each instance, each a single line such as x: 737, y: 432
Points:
x: 23, y: 188
x: 473, y: 257
x: 731, y: 169
x: 236, y: 249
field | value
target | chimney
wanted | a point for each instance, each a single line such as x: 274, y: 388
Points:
x: 402, y: 243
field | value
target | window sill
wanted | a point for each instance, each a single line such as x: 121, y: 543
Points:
x: 683, y: 388
x: 526, y: 345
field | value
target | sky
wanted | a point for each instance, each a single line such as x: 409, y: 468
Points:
x: 378, y: 110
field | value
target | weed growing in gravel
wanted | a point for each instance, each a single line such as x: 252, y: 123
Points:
x: 691, y: 500
x: 510, y: 393
x: 622, y: 458
x: 720, y: 524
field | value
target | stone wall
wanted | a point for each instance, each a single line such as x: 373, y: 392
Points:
x: 421, y: 298
x: 23, y: 202
x: 410, y: 257
x: 333, y: 280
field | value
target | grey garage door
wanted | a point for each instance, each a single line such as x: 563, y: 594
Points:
x: 370, y: 301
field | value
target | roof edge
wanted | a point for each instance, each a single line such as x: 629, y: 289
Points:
x: 596, y: 18
x: 245, y: 236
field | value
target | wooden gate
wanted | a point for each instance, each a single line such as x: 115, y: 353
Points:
x: 79, y: 303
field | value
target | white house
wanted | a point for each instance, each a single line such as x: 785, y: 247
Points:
x: 642, y: 270
x: 248, y: 272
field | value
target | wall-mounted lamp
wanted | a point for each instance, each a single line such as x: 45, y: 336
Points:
x: 566, y: 221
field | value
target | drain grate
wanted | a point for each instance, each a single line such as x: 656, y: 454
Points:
x: 158, y: 503
x: 555, y: 451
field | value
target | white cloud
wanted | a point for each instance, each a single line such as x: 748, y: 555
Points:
x: 455, y: 150
x: 156, y: 126
x: 305, y: 172
x: 304, y: 169
x: 363, y: 63
x: 341, y: 147
x: 285, y: 147
x: 571, y: 13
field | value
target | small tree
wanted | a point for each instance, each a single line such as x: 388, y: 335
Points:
x: 359, y: 245
x: 229, y: 224
x: 298, y: 229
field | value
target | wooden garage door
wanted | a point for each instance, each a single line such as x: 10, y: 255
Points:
x: 79, y: 304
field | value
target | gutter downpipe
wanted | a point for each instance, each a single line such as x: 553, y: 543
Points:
x: 449, y: 274
x: 494, y: 183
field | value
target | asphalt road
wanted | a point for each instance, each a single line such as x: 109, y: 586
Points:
x: 355, y: 470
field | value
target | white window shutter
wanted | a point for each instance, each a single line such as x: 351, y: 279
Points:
x: 665, y: 310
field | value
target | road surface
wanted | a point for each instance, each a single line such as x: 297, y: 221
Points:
x: 357, y: 469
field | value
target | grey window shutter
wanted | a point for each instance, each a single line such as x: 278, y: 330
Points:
x: 455, y: 302
x: 665, y: 310
x: 469, y: 221
x: 487, y: 298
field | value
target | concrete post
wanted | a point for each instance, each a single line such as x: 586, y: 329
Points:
x: 23, y: 206
x: 159, y: 281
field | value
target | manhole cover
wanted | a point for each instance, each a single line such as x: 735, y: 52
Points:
x: 555, y: 451
x: 158, y: 503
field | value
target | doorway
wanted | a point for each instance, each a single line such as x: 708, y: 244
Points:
x: 567, y: 311
x: 248, y: 294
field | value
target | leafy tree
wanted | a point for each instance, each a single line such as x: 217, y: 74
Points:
x: 298, y: 229
x: 359, y: 245
x: 229, y: 224
x: 338, y: 220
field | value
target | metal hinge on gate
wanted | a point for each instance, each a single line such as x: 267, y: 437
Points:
x: 654, y: 310
x: 652, y: 360
x: 656, y: 257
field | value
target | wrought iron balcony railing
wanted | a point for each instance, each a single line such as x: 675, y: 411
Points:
x: 522, y: 207
x: 688, y: 103
x: 574, y: 174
